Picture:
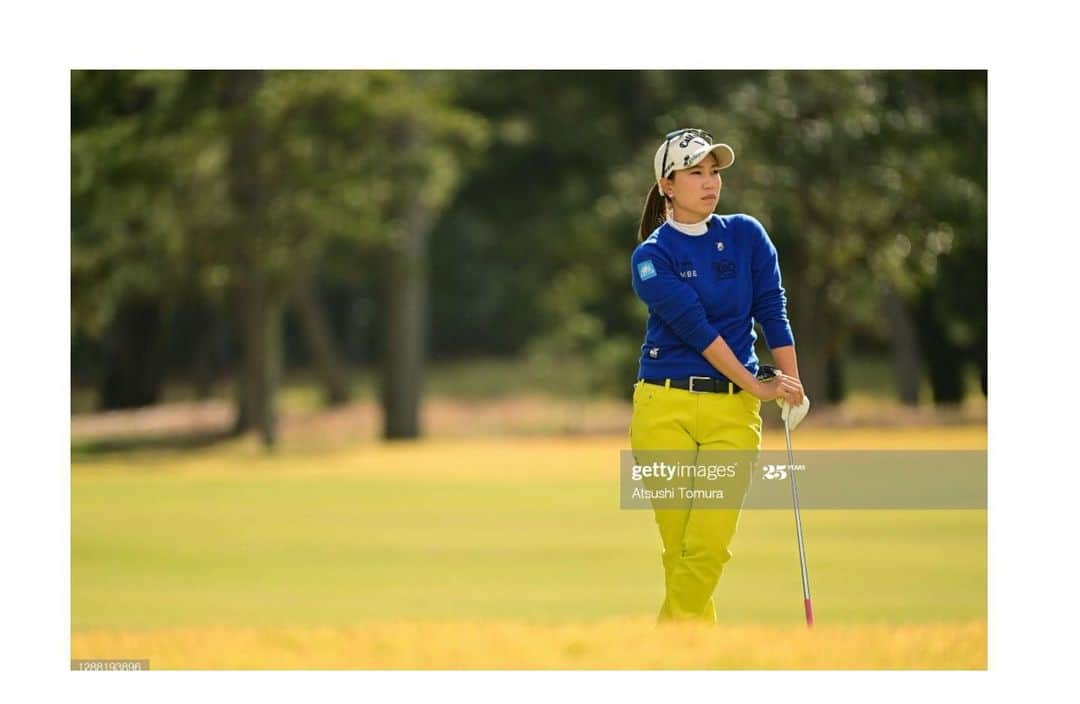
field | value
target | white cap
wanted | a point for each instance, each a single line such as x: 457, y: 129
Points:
x: 687, y: 149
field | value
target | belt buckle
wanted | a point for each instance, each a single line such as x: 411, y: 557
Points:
x: 692, y: 382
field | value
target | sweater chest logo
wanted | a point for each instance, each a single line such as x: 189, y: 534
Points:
x: 719, y: 246
x: 725, y: 269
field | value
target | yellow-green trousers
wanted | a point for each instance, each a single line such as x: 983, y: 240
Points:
x: 696, y: 543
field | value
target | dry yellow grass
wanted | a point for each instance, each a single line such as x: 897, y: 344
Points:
x: 512, y: 457
x: 636, y: 644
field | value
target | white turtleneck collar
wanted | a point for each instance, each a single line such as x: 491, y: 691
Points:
x: 693, y: 229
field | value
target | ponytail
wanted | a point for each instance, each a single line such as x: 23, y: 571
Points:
x: 654, y: 214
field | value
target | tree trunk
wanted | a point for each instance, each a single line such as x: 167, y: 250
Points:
x: 981, y: 360
x: 405, y: 291
x: 133, y: 370
x: 267, y: 370
x: 259, y: 312
x: 835, y: 386
x: 360, y: 316
x: 943, y: 357
x: 207, y: 347
x: 320, y: 343
x: 906, y: 354
x: 809, y: 322
x: 261, y: 342
x: 242, y: 417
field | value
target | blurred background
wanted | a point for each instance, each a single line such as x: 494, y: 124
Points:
x: 391, y: 251
x: 318, y: 263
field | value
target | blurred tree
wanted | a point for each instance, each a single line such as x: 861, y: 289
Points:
x: 949, y: 294
x: 232, y: 196
x: 551, y: 279
x: 858, y: 177
x: 252, y: 181
x: 814, y: 169
x: 320, y: 341
x: 255, y: 265
x: 125, y: 228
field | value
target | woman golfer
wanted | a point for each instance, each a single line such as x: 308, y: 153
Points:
x: 706, y: 280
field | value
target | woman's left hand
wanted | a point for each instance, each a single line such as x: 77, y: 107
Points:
x: 788, y: 388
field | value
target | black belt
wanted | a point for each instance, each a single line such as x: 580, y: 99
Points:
x: 699, y: 383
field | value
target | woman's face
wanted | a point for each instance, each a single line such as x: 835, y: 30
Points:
x: 694, y: 192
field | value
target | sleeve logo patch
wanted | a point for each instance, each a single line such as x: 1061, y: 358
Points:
x: 646, y: 270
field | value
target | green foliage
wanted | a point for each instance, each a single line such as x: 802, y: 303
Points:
x: 125, y: 226
x: 867, y: 181
x: 342, y: 157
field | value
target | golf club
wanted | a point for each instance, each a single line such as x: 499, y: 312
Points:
x: 767, y: 371
x: 809, y: 610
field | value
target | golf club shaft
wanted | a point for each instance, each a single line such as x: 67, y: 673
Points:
x: 807, y: 608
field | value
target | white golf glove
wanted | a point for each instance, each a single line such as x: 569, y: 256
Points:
x: 794, y: 414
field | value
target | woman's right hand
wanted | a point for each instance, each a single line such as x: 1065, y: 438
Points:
x: 781, y: 386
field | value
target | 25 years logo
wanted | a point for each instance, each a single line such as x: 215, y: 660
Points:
x: 780, y: 471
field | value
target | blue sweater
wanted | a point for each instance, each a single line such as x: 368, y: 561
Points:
x: 700, y: 286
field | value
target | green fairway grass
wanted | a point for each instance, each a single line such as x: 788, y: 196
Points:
x: 502, y: 530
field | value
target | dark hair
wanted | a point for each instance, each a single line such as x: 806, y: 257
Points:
x: 654, y: 213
